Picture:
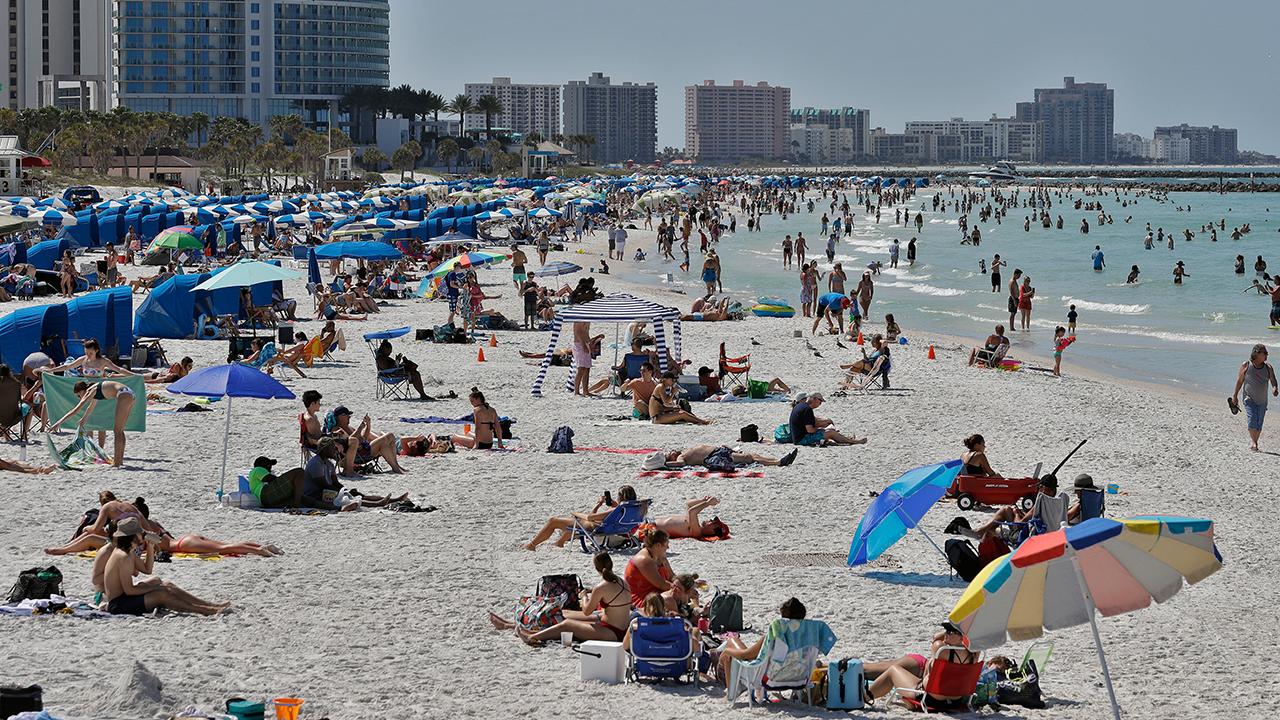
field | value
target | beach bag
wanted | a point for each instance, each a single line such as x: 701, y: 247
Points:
x: 568, y: 584
x: 561, y: 440
x: 844, y: 685
x: 1024, y: 691
x: 442, y: 333
x: 720, y: 460
x: 749, y: 433
x: 534, y: 613
x: 36, y: 584
x: 725, y: 612
x: 14, y: 700
x: 963, y: 559
x: 782, y: 433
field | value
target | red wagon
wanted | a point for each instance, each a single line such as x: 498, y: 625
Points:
x: 969, y: 490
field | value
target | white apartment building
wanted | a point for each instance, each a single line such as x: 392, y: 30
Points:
x: 849, y: 137
x: 1172, y: 149
x: 526, y: 108
x: 975, y: 141
x: 59, y: 53
x: 728, y: 123
x: 1130, y: 145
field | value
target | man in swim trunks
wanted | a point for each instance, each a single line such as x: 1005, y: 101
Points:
x: 518, y: 260
x: 641, y: 390
x: 992, y: 350
x: 829, y: 305
x: 132, y: 553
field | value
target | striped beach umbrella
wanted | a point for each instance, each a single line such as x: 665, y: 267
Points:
x: 52, y: 216
x: 467, y: 260
x: 543, y: 212
x: 176, y: 238
x: 554, y: 269
x: 1064, y: 578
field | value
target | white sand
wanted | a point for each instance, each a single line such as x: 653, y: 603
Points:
x: 374, y: 615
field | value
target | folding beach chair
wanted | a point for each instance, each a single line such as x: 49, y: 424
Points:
x: 12, y: 415
x: 1036, y: 658
x: 616, y: 531
x: 944, y: 678
x: 786, y: 662
x: 392, y: 382
x: 1093, y: 504
x: 734, y: 370
x: 661, y: 649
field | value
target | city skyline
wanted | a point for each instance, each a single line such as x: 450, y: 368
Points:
x: 831, y: 58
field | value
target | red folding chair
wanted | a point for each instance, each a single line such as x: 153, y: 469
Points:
x: 734, y: 370
x: 944, y: 678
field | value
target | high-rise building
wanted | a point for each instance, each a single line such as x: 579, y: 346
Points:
x: 1130, y: 146
x: 526, y: 108
x: 727, y: 123
x: 59, y: 54
x: 1078, y: 121
x: 623, y: 119
x: 849, y: 136
x: 1213, y: 145
x: 249, y: 59
x: 907, y: 148
x: 1171, y: 148
x: 984, y: 140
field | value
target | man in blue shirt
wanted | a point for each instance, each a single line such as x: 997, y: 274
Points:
x: 452, y: 287
x: 1098, y: 262
x: 829, y: 305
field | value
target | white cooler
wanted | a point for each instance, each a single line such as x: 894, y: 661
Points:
x: 602, y: 660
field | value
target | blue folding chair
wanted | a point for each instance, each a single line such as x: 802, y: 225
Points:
x: 661, y: 649
x: 616, y: 531
x: 1093, y: 504
x: 392, y: 382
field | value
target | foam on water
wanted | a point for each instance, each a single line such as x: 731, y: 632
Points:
x: 1117, y: 308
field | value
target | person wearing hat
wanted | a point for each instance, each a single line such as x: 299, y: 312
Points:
x: 1049, y: 512
x: 809, y: 429
x: 1179, y: 272
x: 276, y: 491
x: 125, y: 596
x: 370, y: 445
x: 1090, y: 500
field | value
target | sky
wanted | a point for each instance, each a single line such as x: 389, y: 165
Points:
x: 1169, y: 62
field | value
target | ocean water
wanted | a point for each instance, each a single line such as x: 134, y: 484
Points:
x: 1193, y: 336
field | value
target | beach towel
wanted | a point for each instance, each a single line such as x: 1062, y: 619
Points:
x: 620, y: 451
x: 55, y: 605
x: 677, y: 474
x: 61, y: 398
x: 82, y: 452
x: 211, y: 557
x: 436, y: 419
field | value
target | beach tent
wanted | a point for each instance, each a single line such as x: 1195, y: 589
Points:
x: 45, y: 255
x: 28, y: 329
x: 105, y: 315
x: 620, y: 308
x: 171, y: 309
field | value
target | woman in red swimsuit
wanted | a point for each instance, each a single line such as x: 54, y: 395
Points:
x: 609, y: 598
x: 648, y: 570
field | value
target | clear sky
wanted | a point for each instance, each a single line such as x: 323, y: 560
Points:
x: 1169, y: 62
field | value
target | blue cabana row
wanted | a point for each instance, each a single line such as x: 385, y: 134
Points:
x: 105, y: 315
x: 30, y: 329
x: 46, y: 254
x: 171, y: 309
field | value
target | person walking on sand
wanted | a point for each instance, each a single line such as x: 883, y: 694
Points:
x: 1254, y: 377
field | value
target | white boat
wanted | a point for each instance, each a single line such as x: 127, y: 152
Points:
x: 1002, y: 171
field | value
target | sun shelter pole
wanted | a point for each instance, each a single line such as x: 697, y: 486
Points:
x: 675, y: 333
x: 546, y: 359
x: 226, y: 440
x: 1097, y: 639
x: 907, y: 521
x: 660, y: 340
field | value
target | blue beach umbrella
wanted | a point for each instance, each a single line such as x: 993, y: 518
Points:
x: 313, y: 269
x: 247, y: 273
x: 367, y: 250
x: 899, y: 508
x: 230, y: 381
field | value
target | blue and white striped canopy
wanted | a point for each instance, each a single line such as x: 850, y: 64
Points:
x: 618, y: 308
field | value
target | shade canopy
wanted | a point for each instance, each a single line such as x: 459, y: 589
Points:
x: 357, y: 250
x: 247, y: 273
x: 558, y: 267
x: 234, y: 380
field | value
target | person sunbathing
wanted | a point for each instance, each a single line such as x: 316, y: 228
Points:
x: 664, y: 408
x: 709, y: 312
x: 199, y: 544
x: 911, y: 671
x: 125, y: 596
x: 605, y: 614
x: 870, y: 366
x: 697, y: 455
x: 21, y: 467
x: 735, y: 649
x: 649, y: 570
x: 370, y: 445
x: 148, y: 282
x: 289, y: 357
x: 689, y: 525
x: 487, y: 426
x: 993, y: 349
x: 563, y: 357
x: 1050, y: 511
x: 587, y: 521
x: 176, y: 372
x: 322, y: 489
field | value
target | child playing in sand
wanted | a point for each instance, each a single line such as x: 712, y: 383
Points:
x: 1060, y: 342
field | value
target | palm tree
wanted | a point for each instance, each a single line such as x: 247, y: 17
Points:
x: 373, y: 159
x: 285, y: 127
x: 490, y: 106
x: 199, y: 123
x: 461, y: 105
x: 476, y: 156
x: 587, y: 141
x: 532, y: 139
x: 447, y: 150
x: 406, y: 156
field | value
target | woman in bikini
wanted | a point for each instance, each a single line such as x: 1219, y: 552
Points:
x: 649, y: 571
x: 606, y: 611
x: 975, y: 458
x: 486, y: 431
x: 69, y: 274
x: 585, y: 520
x: 91, y: 365
x: 90, y: 394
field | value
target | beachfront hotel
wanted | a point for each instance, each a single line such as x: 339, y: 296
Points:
x: 1078, y: 119
x: 250, y: 59
x: 59, y: 54
x: 526, y: 108
x: 977, y: 141
x: 830, y: 135
x: 728, y: 123
x: 622, y: 118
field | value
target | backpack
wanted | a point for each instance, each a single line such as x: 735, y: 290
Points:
x: 725, y: 612
x: 568, y: 584
x: 36, y: 584
x: 750, y: 433
x: 845, y: 684
x: 963, y: 559
x: 561, y: 440
x: 720, y: 460
x: 534, y: 613
x: 782, y: 433
x: 1024, y: 691
x: 14, y: 700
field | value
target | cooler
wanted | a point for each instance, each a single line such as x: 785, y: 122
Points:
x: 602, y: 660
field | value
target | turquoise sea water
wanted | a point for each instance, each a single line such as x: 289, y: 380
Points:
x: 1193, y: 336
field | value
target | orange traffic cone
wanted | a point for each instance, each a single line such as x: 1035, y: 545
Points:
x: 493, y: 340
x: 931, y: 355
x: 480, y: 355
x: 859, y: 337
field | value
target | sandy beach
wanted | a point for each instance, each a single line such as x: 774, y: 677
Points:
x: 377, y: 614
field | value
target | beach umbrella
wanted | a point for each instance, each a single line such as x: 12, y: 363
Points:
x: 557, y: 268
x: 179, y: 237
x: 54, y: 202
x: 302, y: 218
x: 1065, y: 577
x: 366, y: 250
x: 499, y: 214
x: 474, y: 259
x: 230, y: 381
x: 899, y: 508
x: 313, y: 269
x: 247, y: 219
x: 52, y: 216
x: 543, y: 212
x: 453, y: 236
x: 247, y: 273
x: 381, y: 223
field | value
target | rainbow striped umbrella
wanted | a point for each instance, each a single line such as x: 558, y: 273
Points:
x: 466, y: 260
x: 1058, y: 579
